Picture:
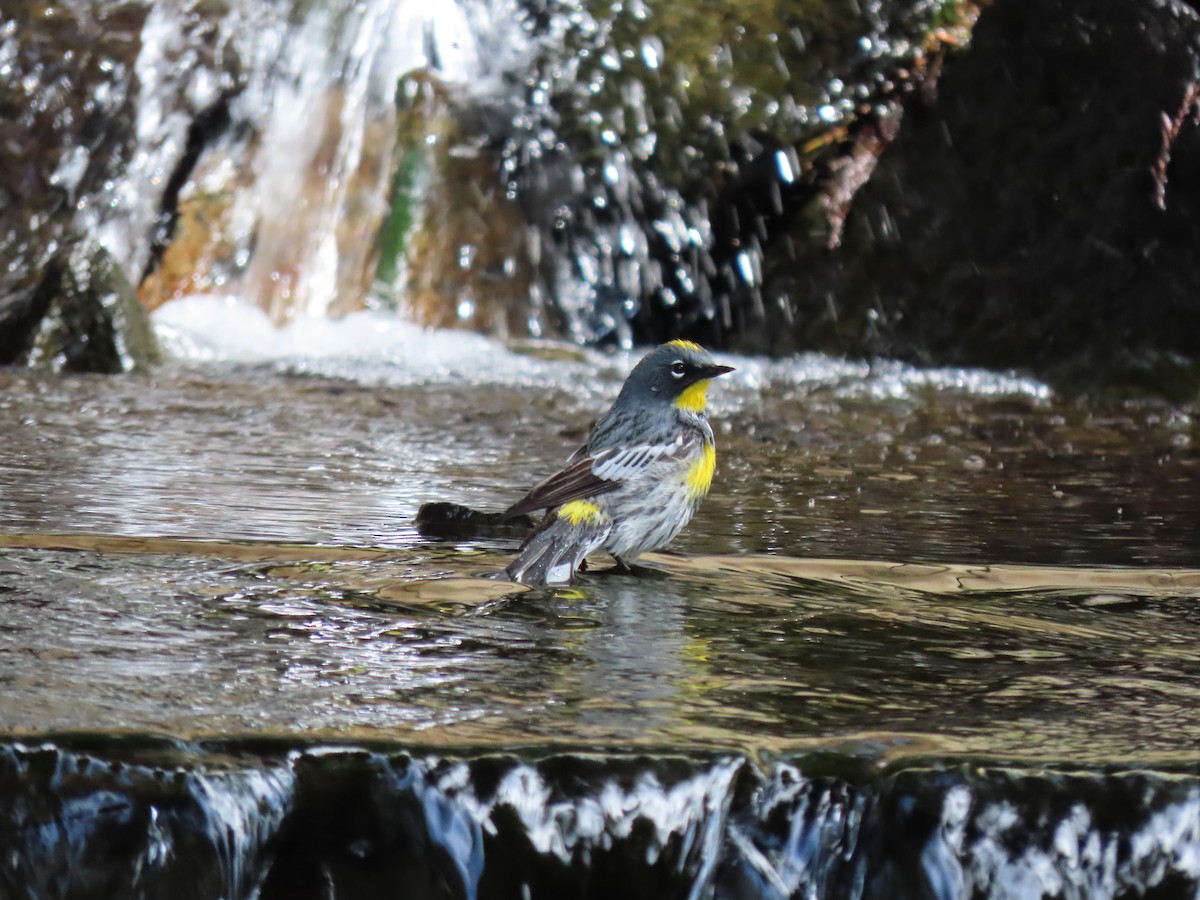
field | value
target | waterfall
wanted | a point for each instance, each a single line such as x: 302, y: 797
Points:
x: 600, y: 173
x: 176, y: 820
x: 287, y: 182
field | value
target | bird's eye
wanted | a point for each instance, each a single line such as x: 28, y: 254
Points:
x: 678, y: 369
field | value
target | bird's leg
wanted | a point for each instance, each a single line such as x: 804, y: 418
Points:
x: 623, y: 567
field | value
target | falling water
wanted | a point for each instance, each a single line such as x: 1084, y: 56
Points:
x: 346, y: 821
x: 323, y: 163
x: 269, y: 133
x: 486, y: 163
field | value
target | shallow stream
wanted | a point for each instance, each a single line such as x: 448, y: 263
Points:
x: 893, y: 566
x: 887, y: 555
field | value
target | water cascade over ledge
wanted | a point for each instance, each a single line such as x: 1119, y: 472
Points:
x: 124, y: 819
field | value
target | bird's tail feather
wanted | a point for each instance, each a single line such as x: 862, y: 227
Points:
x: 554, y: 551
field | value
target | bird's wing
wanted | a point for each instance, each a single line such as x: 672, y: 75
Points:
x: 587, y: 475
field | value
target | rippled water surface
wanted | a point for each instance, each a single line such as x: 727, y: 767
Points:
x: 891, y: 561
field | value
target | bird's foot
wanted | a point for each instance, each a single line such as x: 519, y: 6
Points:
x: 624, y: 567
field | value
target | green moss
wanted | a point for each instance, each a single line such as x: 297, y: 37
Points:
x: 405, y: 203
x: 688, y: 84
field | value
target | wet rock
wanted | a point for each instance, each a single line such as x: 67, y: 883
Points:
x: 205, y: 146
x: 66, y: 117
x: 86, y: 317
x: 89, y: 147
x: 768, y: 177
x: 659, y: 154
x: 456, y: 250
x: 604, y: 173
x: 1016, y: 195
x: 1039, y: 211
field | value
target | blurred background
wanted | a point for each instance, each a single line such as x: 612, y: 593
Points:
x: 1005, y: 184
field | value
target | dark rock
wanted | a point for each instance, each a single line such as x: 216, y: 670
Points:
x: 66, y: 119
x: 85, y: 317
x: 660, y: 156
x: 1041, y: 213
x: 75, y: 173
x: 1028, y: 200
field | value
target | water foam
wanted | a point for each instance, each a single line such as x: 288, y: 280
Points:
x: 367, y: 346
x: 374, y: 347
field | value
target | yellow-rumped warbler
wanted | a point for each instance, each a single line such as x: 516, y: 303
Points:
x: 637, y: 481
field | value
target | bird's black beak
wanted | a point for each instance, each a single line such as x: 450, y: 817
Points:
x: 714, y: 371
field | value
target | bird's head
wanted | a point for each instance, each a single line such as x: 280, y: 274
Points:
x: 678, y: 372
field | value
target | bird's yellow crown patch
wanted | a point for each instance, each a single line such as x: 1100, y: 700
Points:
x: 699, y: 477
x: 578, y: 512
x: 685, y: 345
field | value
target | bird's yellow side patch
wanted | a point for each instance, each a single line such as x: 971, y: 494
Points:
x: 685, y: 345
x: 699, y: 477
x: 578, y: 512
x: 694, y: 397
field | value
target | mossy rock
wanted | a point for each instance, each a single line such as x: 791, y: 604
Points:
x: 90, y: 319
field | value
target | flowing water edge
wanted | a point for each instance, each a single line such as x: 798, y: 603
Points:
x: 749, y: 654
x: 933, y: 634
x: 319, y: 821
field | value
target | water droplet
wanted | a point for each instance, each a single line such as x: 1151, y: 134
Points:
x: 974, y: 463
x: 746, y: 267
x: 651, y: 52
x: 786, y: 174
